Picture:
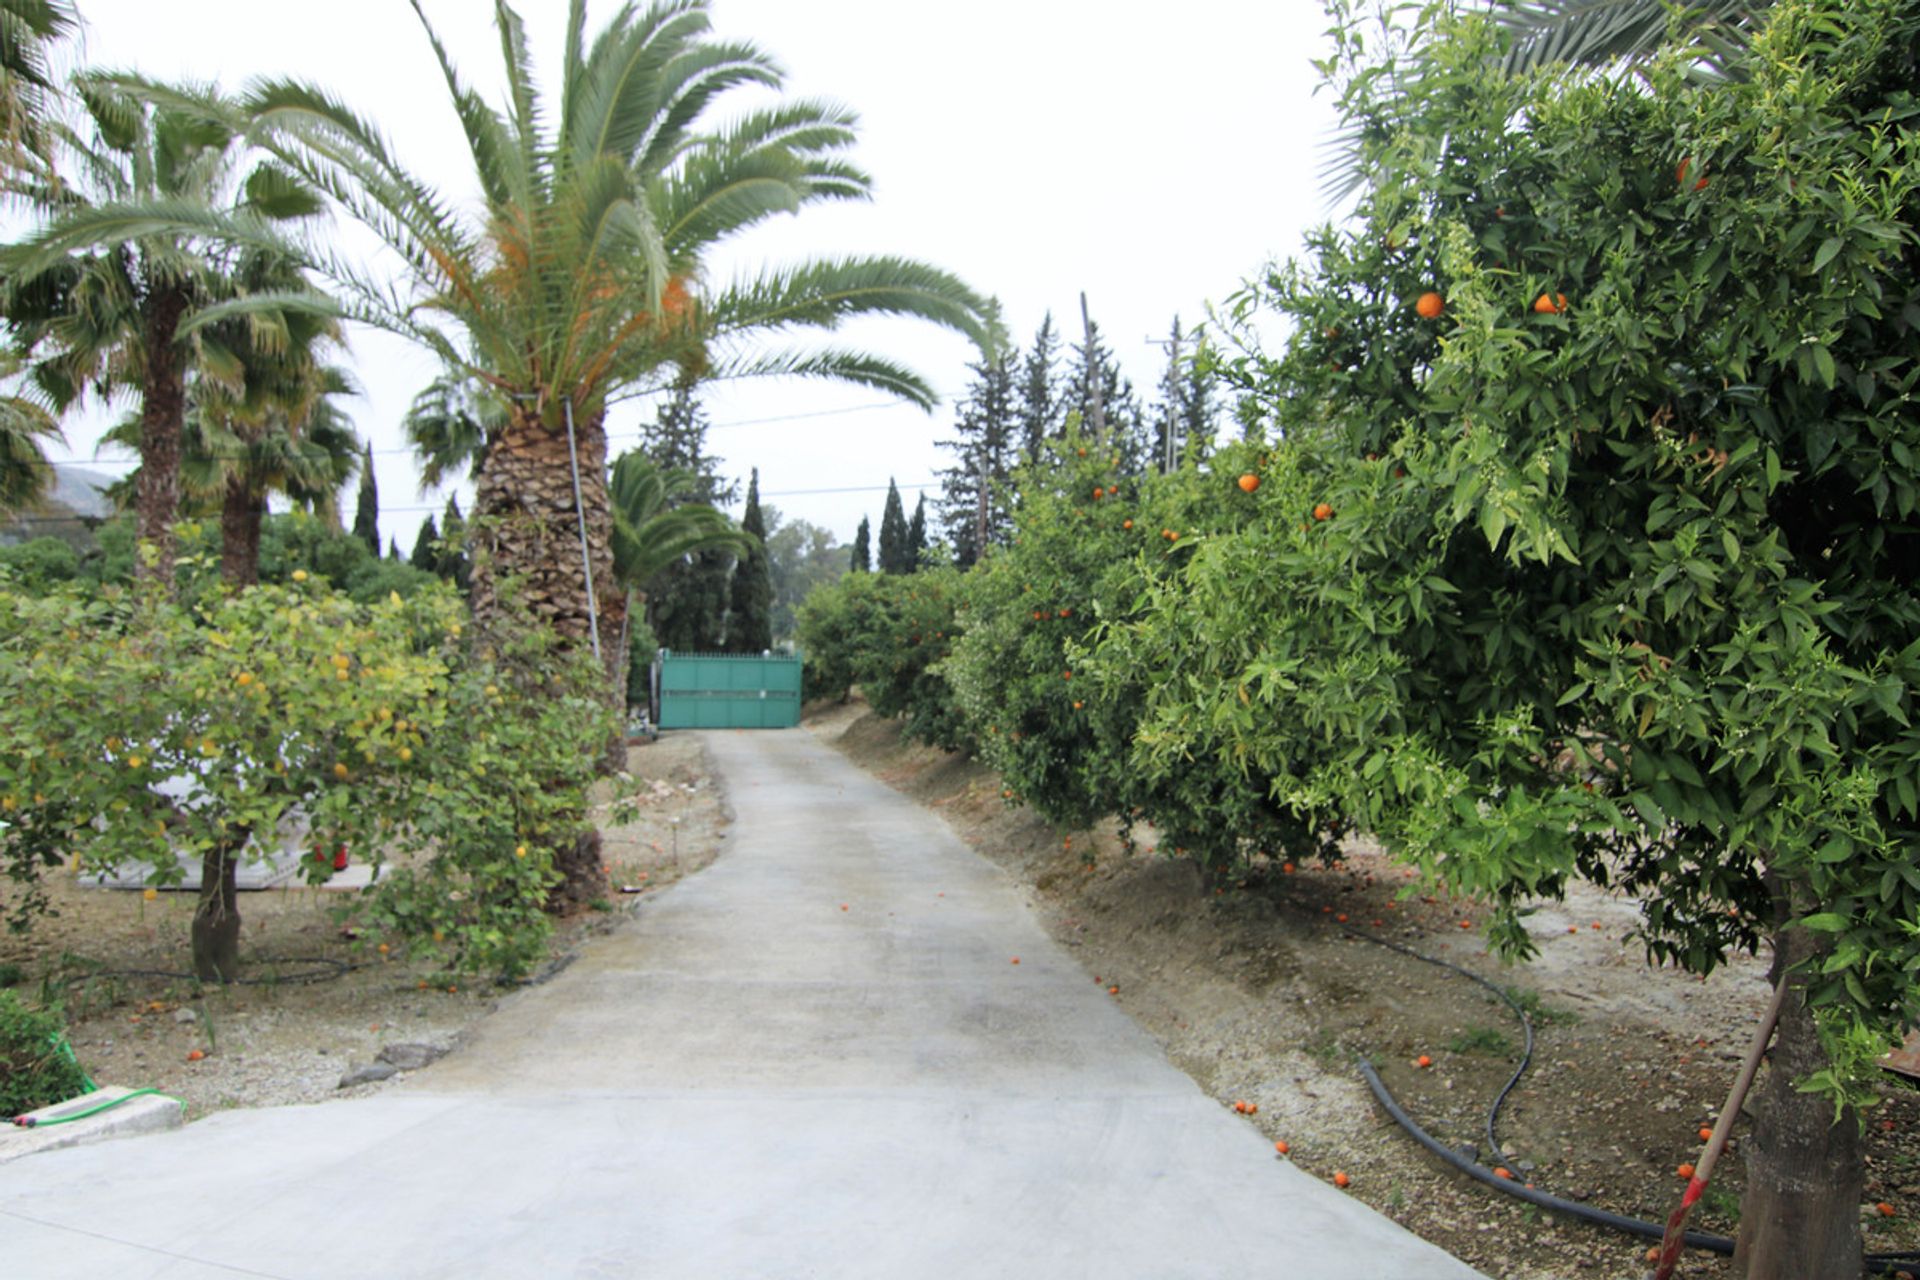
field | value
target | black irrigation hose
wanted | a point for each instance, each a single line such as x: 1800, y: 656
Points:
x: 1876, y: 1263
x: 1526, y: 1023
x: 334, y: 969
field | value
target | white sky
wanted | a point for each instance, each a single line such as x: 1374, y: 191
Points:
x: 1153, y: 156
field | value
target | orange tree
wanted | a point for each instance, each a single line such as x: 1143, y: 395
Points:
x: 1089, y: 542
x: 885, y: 632
x: 1618, y: 579
x: 136, y: 732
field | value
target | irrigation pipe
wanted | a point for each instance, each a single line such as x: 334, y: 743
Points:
x: 1877, y: 1263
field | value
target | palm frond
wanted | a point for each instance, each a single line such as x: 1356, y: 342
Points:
x: 821, y: 294
x: 857, y: 368
x: 1600, y: 33
x: 117, y: 222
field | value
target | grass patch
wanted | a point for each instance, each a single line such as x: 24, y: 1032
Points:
x: 1481, y: 1040
x: 1539, y: 1012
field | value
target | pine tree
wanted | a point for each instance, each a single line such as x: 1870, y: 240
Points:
x: 366, y: 510
x: 393, y: 549
x: 687, y: 601
x: 862, y: 559
x: 1124, y: 429
x: 893, y: 533
x: 917, y: 535
x: 425, y: 553
x: 452, y: 563
x: 1039, y: 412
x: 988, y: 430
x: 750, y: 604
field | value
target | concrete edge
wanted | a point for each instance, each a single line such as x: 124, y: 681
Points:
x: 144, y: 1113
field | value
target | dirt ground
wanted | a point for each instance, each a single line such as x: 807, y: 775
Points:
x: 317, y: 999
x: 1267, y: 993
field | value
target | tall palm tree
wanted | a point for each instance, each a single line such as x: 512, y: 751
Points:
x: 103, y: 298
x: 579, y: 280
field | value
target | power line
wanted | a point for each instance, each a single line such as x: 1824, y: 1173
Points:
x: 612, y: 436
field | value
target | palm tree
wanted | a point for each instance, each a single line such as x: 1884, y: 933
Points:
x: 108, y: 294
x: 24, y: 470
x: 654, y: 526
x: 1601, y: 33
x: 578, y: 282
x: 28, y: 29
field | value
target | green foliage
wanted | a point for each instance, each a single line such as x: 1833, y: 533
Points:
x: 895, y: 554
x: 41, y: 563
x: 860, y: 560
x: 1620, y: 587
x: 642, y: 647
x: 136, y: 731
x: 1489, y: 1040
x: 35, y: 1071
x: 888, y: 633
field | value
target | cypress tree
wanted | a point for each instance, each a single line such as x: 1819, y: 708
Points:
x: 750, y: 608
x: 916, y: 536
x: 393, y: 549
x: 425, y: 553
x: 366, y: 510
x: 862, y: 559
x: 893, y: 533
x: 687, y: 601
x: 1039, y: 410
x: 989, y: 429
x: 452, y: 563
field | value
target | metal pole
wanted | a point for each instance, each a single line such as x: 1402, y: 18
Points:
x: 580, y: 510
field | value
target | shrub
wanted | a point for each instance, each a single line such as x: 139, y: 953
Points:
x: 36, y: 1070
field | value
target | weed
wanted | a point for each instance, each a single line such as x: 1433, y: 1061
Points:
x: 1481, y: 1040
x: 1539, y: 1012
x: 1325, y: 1049
x: 11, y: 974
x: 1722, y: 1202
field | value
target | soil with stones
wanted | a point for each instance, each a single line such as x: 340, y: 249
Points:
x: 1266, y: 994
x: 317, y: 1000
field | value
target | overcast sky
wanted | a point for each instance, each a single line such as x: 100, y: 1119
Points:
x: 1153, y: 157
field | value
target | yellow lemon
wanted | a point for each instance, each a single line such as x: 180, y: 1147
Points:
x: 406, y: 754
x: 150, y: 894
x: 299, y: 575
x: 520, y: 851
x: 341, y: 771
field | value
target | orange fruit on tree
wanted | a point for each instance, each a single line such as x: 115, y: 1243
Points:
x: 1249, y: 482
x: 1429, y: 305
x: 1323, y: 511
x: 1550, y: 304
x: 1126, y: 524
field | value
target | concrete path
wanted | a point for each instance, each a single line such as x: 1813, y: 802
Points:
x: 746, y: 1081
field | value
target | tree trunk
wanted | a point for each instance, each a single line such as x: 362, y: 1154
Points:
x: 526, y: 531
x: 241, y: 512
x: 162, y: 410
x: 1800, y: 1217
x: 216, y: 921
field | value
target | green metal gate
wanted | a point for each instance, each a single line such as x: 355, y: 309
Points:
x: 727, y: 690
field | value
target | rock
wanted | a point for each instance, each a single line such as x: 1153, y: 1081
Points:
x: 411, y: 1055
x: 184, y: 1016
x: 369, y: 1074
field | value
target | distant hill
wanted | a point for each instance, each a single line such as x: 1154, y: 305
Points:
x: 69, y: 512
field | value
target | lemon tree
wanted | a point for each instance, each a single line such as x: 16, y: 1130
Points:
x: 136, y: 732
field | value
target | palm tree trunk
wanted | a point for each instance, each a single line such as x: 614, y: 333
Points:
x: 241, y: 511
x: 162, y: 410
x: 526, y: 528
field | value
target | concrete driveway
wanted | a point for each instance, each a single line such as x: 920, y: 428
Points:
x: 814, y: 1059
